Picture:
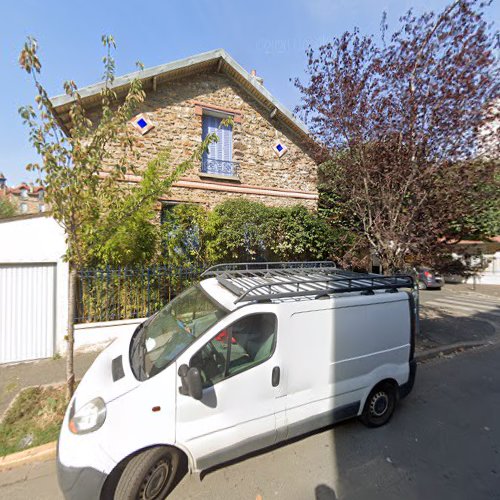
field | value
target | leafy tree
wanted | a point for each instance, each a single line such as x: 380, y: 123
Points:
x: 7, y: 208
x: 398, y: 119
x: 104, y: 218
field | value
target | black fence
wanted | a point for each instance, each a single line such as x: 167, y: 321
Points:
x: 113, y: 294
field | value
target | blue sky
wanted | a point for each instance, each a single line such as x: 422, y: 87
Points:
x: 270, y: 36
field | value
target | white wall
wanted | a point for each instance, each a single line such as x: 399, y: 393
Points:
x: 90, y: 336
x: 39, y: 239
x: 491, y: 275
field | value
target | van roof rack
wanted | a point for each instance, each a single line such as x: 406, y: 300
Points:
x: 247, y: 266
x: 264, y: 281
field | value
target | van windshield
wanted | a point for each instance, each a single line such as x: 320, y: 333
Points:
x: 171, y: 330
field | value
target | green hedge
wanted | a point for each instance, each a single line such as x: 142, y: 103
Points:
x: 243, y: 230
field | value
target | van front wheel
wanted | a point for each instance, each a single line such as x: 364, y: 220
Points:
x: 149, y: 475
x: 380, y: 405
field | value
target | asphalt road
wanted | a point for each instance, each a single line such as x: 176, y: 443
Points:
x: 443, y: 442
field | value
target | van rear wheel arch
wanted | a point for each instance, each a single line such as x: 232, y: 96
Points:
x: 380, y: 404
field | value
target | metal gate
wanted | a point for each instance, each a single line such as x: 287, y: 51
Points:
x: 27, y: 311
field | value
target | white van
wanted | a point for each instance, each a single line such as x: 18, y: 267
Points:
x: 249, y: 357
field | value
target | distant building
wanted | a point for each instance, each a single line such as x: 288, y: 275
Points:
x: 27, y: 198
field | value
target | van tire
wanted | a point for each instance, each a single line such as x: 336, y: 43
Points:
x: 380, y: 405
x: 149, y: 475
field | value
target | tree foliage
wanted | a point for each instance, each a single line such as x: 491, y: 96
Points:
x: 85, y: 169
x: 399, y: 121
x: 295, y: 234
x: 184, y: 234
x: 483, y: 217
x: 236, y: 231
x: 7, y: 208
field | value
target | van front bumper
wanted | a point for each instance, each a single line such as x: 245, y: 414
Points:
x: 80, y: 483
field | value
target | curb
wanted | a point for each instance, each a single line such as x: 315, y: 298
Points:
x: 436, y: 352
x: 38, y: 454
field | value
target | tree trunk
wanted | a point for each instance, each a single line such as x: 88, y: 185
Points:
x: 70, y: 337
x: 391, y: 261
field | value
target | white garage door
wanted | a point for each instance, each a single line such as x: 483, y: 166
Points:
x: 27, y: 311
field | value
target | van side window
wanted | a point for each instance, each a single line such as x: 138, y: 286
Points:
x: 237, y: 348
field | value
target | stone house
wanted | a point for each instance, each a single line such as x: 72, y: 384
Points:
x: 26, y: 198
x: 266, y: 155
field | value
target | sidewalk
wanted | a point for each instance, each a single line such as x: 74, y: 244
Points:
x: 490, y: 290
x: 15, y: 377
x: 443, y: 331
x: 457, y: 314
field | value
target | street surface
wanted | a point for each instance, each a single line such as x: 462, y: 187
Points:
x: 456, y: 315
x: 443, y: 442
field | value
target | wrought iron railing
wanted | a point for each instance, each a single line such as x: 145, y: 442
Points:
x: 110, y: 294
x: 219, y: 167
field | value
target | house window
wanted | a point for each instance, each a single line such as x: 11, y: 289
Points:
x: 41, y: 207
x: 23, y: 193
x: 24, y: 208
x: 218, y: 159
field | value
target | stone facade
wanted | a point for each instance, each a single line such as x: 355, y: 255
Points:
x: 176, y: 109
x: 210, y: 198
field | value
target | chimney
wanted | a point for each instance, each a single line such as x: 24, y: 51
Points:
x: 258, y: 79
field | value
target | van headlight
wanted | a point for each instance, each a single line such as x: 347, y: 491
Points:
x: 88, y: 418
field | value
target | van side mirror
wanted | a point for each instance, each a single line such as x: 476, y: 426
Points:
x: 191, y: 382
x: 182, y: 372
x: 194, y: 383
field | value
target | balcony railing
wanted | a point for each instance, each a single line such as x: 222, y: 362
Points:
x: 214, y: 166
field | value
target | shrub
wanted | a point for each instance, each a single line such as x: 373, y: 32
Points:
x: 295, y: 233
x: 183, y: 235
x: 243, y: 230
x: 7, y: 208
x: 236, y: 231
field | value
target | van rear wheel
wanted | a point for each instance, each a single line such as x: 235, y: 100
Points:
x: 149, y: 475
x: 380, y: 405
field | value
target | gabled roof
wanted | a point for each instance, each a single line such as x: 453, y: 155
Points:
x: 32, y: 190
x: 215, y: 60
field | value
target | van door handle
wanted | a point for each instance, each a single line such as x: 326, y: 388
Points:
x: 275, y: 379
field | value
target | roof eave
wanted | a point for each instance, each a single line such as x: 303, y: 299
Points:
x: 61, y: 103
